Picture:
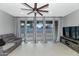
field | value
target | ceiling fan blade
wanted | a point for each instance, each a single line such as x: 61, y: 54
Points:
x: 25, y: 4
x: 26, y: 9
x: 43, y: 6
x: 40, y: 13
x: 43, y: 10
x: 29, y: 12
x: 35, y: 5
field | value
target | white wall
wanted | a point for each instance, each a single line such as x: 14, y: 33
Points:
x: 6, y: 23
x: 71, y: 19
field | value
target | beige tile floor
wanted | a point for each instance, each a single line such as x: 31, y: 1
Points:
x: 41, y: 49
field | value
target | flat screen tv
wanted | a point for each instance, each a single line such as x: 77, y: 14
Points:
x: 77, y: 32
x: 67, y: 31
x: 73, y: 32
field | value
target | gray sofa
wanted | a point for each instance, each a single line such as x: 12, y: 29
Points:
x: 11, y: 41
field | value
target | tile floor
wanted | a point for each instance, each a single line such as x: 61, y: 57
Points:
x: 42, y: 49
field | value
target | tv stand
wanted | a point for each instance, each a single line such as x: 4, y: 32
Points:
x: 72, y: 43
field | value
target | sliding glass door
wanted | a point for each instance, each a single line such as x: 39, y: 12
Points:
x: 22, y: 30
x: 29, y: 30
x: 37, y: 30
x: 48, y: 30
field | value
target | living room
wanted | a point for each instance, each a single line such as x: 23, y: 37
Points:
x: 39, y: 29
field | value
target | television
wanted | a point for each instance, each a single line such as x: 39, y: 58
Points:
x: 77, y: 32
x: 73, y: 32
x: 67, y: 31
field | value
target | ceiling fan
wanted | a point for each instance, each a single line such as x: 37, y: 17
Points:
x: 35, y: 9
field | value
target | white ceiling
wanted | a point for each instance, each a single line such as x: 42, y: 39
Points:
x: 55, y: 9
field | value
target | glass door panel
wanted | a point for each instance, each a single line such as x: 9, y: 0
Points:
x: 49, y: 30
x: 29, y: 30
x: 39, y: 30
x: 22, y: 30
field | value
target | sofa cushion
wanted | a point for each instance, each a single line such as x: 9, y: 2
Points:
x: 7, y: 46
